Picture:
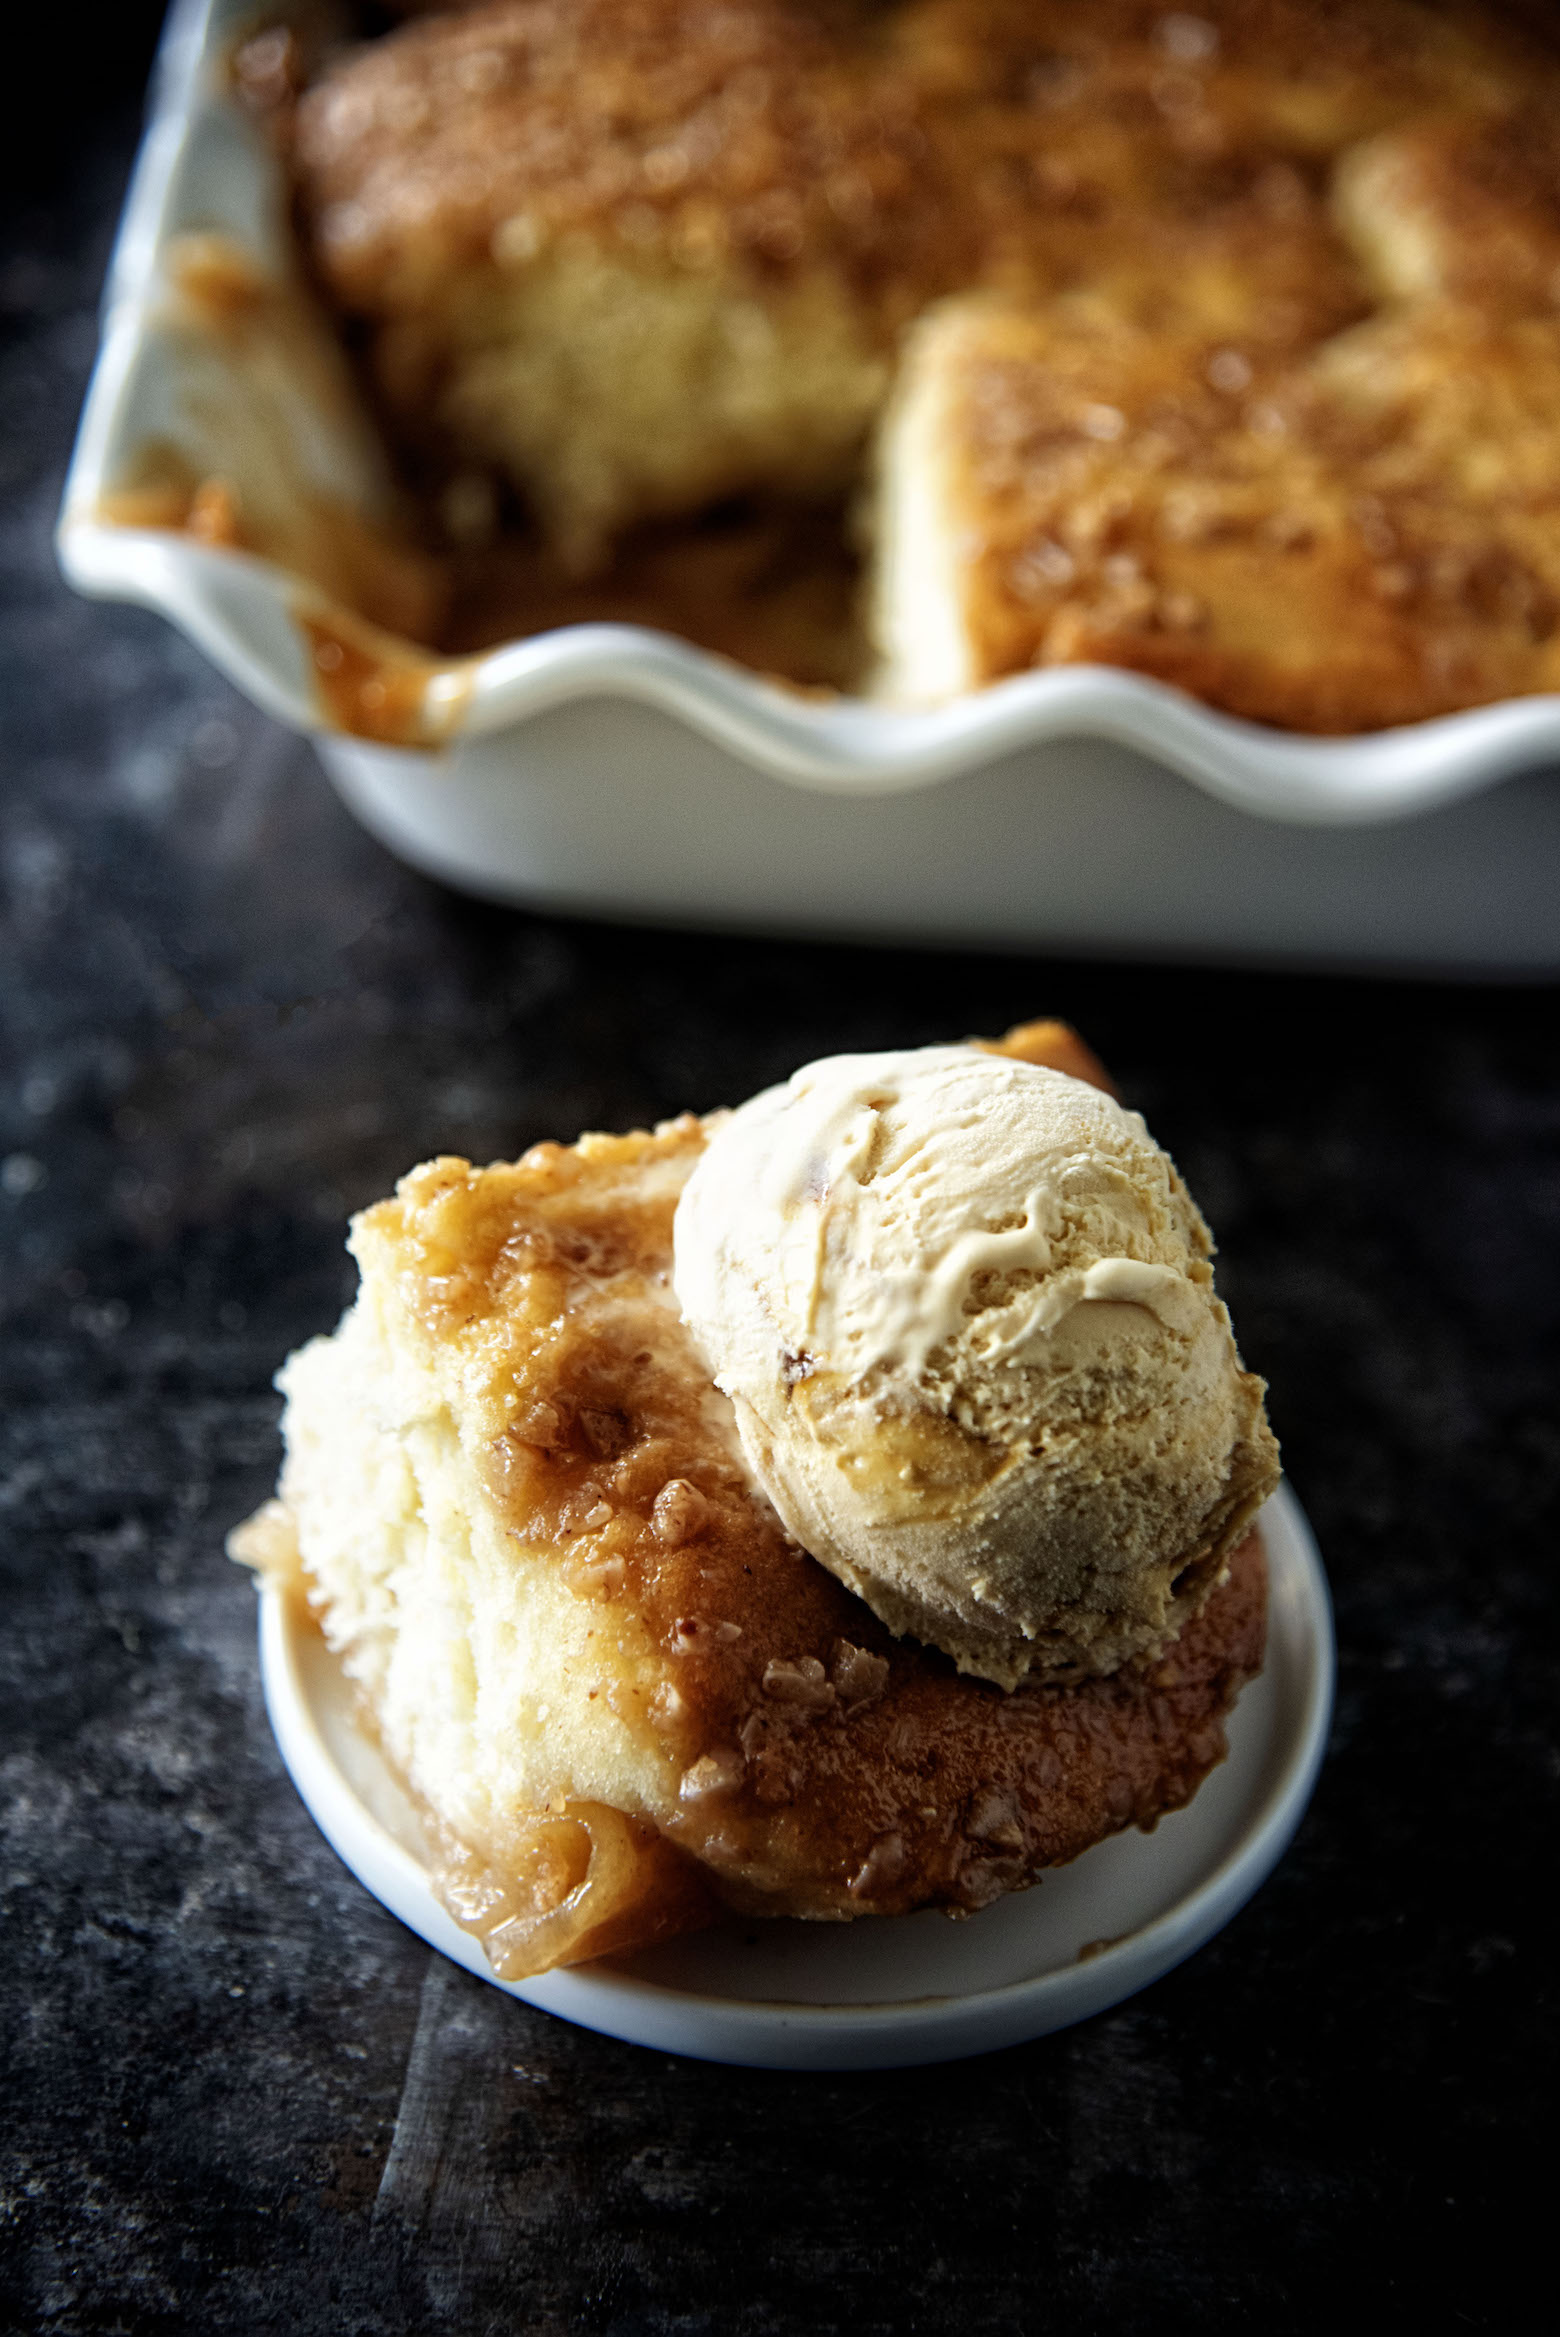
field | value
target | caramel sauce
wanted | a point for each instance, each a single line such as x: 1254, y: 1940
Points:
x: 214, y: 274
x: 371, y: 595
x: 586, y: 1882
x: 774, y: 591
x: 368, y: 681
x: 374, y: 686
x: 919, y: 1466
x: 578, y: 1881
x: 774, y: 588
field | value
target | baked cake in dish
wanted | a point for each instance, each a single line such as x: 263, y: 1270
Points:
x: 626, y: 1696
x: 1217, y: 344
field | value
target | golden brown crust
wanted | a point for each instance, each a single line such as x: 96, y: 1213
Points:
x: 1163, y: 176
x: 747, y: 133
x: 1461, y: 205
x: 912, y: 149
x: 828, y: 1769
x: 785, y: 131
x: 636, y: 257
x: 1367, y: 537
x: 1177, y: 160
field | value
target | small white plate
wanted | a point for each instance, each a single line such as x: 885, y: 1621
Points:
x: 893, y: 1992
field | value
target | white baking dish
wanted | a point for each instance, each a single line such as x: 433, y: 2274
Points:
x: 612, y: 768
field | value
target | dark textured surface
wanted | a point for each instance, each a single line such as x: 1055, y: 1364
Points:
x: 239, y: 2097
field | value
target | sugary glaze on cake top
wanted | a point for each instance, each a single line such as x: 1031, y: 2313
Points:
x: 699, y: 134
x: 879, y: 139
x: 1368, y: 535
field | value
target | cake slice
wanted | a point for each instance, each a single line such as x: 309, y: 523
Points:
x: 627, y: 1699
x: 633, y: 255
x: 1365, y: 536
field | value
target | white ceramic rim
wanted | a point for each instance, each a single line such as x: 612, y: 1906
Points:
x: 242, y: 611
x: 896, y: 2034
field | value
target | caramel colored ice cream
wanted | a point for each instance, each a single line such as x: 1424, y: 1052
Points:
x: 964, y: 1310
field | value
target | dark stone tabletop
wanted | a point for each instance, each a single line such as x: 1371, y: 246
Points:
x: 239, y: 2096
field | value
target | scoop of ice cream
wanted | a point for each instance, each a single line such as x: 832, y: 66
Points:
x: 964, y: 1311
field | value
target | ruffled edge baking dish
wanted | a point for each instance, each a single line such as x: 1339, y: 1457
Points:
x: 203, y: 170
